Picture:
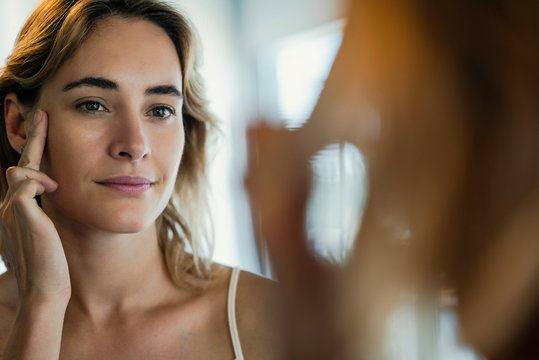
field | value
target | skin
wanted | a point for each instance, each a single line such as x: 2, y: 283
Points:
x: 93, y: 283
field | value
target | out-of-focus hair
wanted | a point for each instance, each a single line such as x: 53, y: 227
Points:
x: 50, y: 36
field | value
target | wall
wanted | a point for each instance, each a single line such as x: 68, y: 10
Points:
x: 217, y: 24
x: 13, y: 13
x: 265, y: 21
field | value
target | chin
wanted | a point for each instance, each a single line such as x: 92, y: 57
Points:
x: 109, y: 217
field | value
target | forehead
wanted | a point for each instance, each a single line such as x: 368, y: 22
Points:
x: 132, y: 52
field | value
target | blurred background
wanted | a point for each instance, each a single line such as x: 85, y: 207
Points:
x: 269, y: 59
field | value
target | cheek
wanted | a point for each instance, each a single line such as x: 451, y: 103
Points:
x: 67, y: 148
x: 57, y: 147
x: 167, y: 152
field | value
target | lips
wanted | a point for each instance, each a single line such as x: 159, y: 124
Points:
x: 129, y: 185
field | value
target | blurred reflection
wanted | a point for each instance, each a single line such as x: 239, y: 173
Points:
x: 453, y: 179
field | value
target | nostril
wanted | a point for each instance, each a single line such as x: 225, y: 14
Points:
x: 123, y: 153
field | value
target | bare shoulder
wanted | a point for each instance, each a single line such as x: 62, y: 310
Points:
x: 8, y: 306
x: 258, y: 313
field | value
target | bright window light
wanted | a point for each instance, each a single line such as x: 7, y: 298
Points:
x: 303, y: 63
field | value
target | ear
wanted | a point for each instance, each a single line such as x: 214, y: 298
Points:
x: 14, y: 113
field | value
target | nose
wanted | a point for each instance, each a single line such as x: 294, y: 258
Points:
x: 130, y: 139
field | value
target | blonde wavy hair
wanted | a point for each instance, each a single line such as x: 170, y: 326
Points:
x: 54, y: 31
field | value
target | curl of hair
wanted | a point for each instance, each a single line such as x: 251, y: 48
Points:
x: 50, y: 36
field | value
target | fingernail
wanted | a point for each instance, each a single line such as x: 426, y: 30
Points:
x: 38, y: 116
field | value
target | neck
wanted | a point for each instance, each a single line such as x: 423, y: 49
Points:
x: 114, y: 273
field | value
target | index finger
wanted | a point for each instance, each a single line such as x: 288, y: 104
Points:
x: 35, y: 143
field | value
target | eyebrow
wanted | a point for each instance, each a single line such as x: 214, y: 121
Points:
x: 94, y: 82
x: 164, y: 90
x: 107, y: 84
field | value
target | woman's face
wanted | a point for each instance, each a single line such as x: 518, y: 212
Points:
x: 116, y: 135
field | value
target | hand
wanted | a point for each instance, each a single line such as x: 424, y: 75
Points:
x: 278, y: 183
x: 329, y: 309
x: 34, y: 250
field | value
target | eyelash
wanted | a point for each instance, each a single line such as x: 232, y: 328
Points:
x: 170, y: 109
x: 83, y: 107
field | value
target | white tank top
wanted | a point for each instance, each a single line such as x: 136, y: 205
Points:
x: 232, y: 325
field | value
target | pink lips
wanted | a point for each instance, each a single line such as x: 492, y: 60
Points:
x: 129, y: 185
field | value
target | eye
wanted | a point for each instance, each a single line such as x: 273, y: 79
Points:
x: 91, y: 106
x: 162, y: 112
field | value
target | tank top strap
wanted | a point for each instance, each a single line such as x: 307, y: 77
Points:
x: 232, y: 325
